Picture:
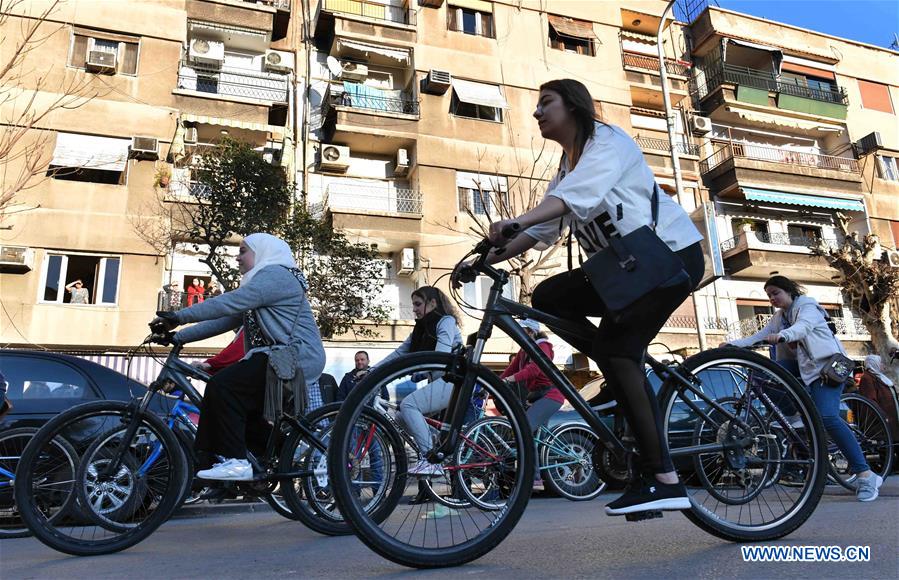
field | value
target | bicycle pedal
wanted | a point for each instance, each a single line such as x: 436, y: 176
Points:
x: 640, y: 516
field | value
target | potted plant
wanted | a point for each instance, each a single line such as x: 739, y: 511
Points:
x: 163, y: 176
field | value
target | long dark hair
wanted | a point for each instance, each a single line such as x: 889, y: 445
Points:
x: 444, y: 305
x: 790, y: 287
x: 579, y: 103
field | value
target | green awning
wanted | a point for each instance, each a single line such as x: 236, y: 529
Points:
x: 772, y: 196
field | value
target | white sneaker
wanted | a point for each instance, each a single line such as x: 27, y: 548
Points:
x: 425, y: 468
x: 229, y: 470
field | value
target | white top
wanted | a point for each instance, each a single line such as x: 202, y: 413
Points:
x: 608, y: 194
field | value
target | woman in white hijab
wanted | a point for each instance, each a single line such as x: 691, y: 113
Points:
x: 272, y: 306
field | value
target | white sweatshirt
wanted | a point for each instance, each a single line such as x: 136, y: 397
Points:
x: 609, y: 193
x: 802, y: 322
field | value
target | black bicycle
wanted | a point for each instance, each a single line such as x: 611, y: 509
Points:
x: 135, y: 468
x: 730, y: 458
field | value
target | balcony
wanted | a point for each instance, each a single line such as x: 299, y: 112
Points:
x: 232, y: 83
x: 374, y: 10
x: 847, y: 328
x: 385, y: 199
x: 651, y: 144
x: 730, y: 150
x: 757, y: 254
x: 651, y: 63
x: 364, y: 98
x: 686, y: 322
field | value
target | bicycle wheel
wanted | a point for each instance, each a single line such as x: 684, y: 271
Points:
x: 276, y: 501
x: 57, y: 468
x: 566, y: 460
x: 429, y: 534
x: 747, y: 490
x: 867, y: 423
x: 147, y: 473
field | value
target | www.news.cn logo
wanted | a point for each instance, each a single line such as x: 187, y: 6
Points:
x: 806, y: 553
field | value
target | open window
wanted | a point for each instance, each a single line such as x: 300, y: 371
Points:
x: 572, y: 35
x: 477, y: 101
x: 122, y: 50
x: 89, y: 158
x: 99, y: 276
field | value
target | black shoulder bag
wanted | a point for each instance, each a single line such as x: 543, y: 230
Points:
x: 634, y: 265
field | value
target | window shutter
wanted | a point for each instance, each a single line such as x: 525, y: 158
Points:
x: 875, y: 96
x: 79, y: 51
x: 128, y: 64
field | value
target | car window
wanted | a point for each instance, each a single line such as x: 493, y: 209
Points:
x: 35, y: 379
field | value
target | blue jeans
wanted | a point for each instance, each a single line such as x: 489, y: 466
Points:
x: 827, y: 399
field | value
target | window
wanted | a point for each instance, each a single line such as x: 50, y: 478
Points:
x: 757, y: 226
x: 485, y: 195
x: 125, y: 48
x: 875, y: 96
x: 40, y: 379
x: 476, y: 293
x: 99, y: 276
x: 89, y: 158
x: 477, y: 101
x: 887, y: 168
x: 572, y: 35
x: 470, y: 21
x: 816, y: 88
x: 801, y: 235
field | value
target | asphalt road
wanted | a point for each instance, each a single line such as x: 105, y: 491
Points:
x: 555, y: 539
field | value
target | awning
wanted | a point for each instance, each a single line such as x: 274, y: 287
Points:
x: 398, y: 54
x: 481, y: 181
x: 90, y: 152
x: 276, y: 131
x: 479, y: 94
x: 776, y: 53
x: 783, y: 120
x: 809, y: 67
x: 479, y: 5
x: 772, y: 196
x: 571, y: 27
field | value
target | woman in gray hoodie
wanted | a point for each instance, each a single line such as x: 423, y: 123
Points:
x: 801, y: 323
x: 272, y: 306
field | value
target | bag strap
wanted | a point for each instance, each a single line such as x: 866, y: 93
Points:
x: 296, y: 321
x: 655, y: 205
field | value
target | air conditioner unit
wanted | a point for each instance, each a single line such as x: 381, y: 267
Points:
x: 700, y: 125
x: 207, y: 51
x: 868, y: 144
x: 405, y: 262
x: 892, y: 258
x: 437, y: 82
x: 190, y: 135
x: 353, y: 71
x: 402, y: 162
x: 100, y: 61
x: 145, y: 147
x: 15, y: 259
x: 335, y: 157
x: 278, y: 61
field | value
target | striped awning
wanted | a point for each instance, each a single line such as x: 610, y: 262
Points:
x: 572, y: 27
x: 276, y: 131
x: 769, y: 195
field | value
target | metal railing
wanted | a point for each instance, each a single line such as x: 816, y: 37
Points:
x: 686, y: 321
x: 651, y: 63
x: 777, y: 155
x: 849, y: 327
x: 363, y: 198
x: 376, y: 10
x: 172, y: 300
x: 782, y: 239
x: 651, y: 144
x: 720, y: 73
x: 233, y: 82
x: 279, y: 4
x: 404, y: 103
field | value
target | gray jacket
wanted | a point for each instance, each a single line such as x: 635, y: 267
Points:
x: 281, y: 305
x: 802, y: 322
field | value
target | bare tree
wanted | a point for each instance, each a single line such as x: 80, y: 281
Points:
x: 869, y: 286
x: 491, y: 202
x: 28, y: 97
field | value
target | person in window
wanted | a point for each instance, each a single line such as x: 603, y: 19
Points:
x: 174, y: 294
x: 78, y: 293
x: 801, y: 320
x: 604, y: 189
x: 272, y: 306
x: 194, y: 292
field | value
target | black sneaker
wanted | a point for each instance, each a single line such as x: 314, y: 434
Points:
x: 649, y: 496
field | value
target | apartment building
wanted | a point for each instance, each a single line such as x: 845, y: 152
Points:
x: 802, y: 133
x: 171, y: 78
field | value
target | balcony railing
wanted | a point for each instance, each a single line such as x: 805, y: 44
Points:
x: 720, y: 73
x: 387, y: 199
x: 359, y: 96
x: 686, y: 321
x: 777, y: 155
x: 849, y: 327
x: 233, y: 82
x: 651, y: 63
x: 279, y: 4
x: 376, y: 10
x: 651, y: 144
x: 782, y: 239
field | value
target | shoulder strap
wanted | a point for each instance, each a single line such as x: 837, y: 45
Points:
x: 655, y: 205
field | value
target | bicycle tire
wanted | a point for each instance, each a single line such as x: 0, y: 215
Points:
x: 11, y: 523
x: 582, y: 442
x: 368, y: 530
x: 811, y: 490
x: 69, y: 420
x: 883, y: 446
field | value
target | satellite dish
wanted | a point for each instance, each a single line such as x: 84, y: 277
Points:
x: 334, y: 67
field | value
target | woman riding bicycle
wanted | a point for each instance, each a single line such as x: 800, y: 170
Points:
x: 272, y: 306
x: 436, y: 328
x: 603, y: 189
x: 800, y: 322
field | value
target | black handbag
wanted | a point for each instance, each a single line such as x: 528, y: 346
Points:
x: 634, y: 265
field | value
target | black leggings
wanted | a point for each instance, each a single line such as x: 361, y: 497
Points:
x: 619, y: 346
